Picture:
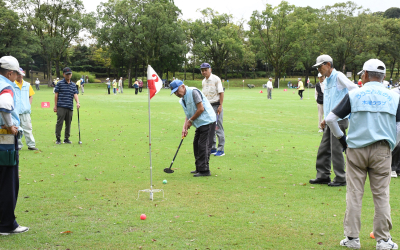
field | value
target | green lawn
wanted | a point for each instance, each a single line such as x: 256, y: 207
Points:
x: 258, y: 196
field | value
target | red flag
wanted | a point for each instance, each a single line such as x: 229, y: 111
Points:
x: 153, y: 81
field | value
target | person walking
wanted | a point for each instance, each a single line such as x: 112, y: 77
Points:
x: 336, y: 86
x: 114, y: 86
x: 37, y: 83
x: 375, y: 111
x: 270, y: 87
x: 214, y: 91
x: 136, y: 86
x: 9, y: 123
x: 108, y: 85
x: 120, y: 85
x: 24, y: 96
x: 319, y: 98
x: 64, y: 106
x: 140, y: 85
x: 200, y: 114
x: 300, y: 88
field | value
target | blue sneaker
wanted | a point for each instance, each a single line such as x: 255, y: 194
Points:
x: 213, y: 151
x: 220, y: 153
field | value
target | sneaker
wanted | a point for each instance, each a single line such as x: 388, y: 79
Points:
x: 201, y: 174
x: 320, y: 131
x: 220, y: 153
x: 354, y: 243
x: 58, y: 141
x: 194, y: 172
x: 18, y: 230
x: 67, y: 141
x: 213, y: 151
x: 394, y: 174
x: 380, y: 245
x: 33, y: 148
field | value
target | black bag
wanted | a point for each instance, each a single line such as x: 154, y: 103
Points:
x: 7, y: 150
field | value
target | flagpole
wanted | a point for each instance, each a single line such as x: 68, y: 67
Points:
x: 151, y: 166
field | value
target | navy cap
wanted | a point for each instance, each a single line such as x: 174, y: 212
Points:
x: 174, y: 85
x: 205, y: 65
x: 67, y: 71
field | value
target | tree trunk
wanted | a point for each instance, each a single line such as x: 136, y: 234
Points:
x: 136, y: 68
x: 49, y: 66
x: 245, y: 72
x: 184, y: 69
x: 27, y: 71
x: 226, y: 73
x: 167, y: 76
x: 392, y: 67
x: 129, y: 74
x: 277, y: 76
x: 58, y: 68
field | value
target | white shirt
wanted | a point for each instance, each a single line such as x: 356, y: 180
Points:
x: 120, y: 82
x: 37, y: 82
x: 269, y: 85
x: 212, y: 87
x: 344, y: 82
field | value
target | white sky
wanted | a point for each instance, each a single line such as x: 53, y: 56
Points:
x: 244, y: 8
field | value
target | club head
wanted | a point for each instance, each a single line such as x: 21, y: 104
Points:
x: 80, y: 142
x: 168, y: 170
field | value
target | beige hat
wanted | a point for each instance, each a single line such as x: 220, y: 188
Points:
x: 10, y: 63
x: 321, y: 59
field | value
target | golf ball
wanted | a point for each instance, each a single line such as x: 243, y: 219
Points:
x: 142, y: 216
x: 164, y: 181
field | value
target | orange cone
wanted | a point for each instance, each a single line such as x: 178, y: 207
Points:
x: 261, y: 91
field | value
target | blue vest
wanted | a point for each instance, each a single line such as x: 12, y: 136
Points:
x: 22, y: 97
x: 332, y: 96
x: 208, y: 115
x: 373, y: 115
x: 7, y: 84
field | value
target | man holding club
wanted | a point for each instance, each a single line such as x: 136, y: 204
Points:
x: 200, y: 114
x: 65, y: 93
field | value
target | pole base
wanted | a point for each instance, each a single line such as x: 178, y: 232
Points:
x: 168, y: 170
x: 151, y: 191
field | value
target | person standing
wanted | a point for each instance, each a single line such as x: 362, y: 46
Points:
x: 270, y: 87
x: 37, y: 83
x: 140, y: 85
x: 64, y: 106
x: 319, y: 98
x: 200, y: 114
x: 300, y: 88
x: 108, y: 85
x: 120, y: 83
x: 372, y: 135
x: 114, y: 86
x: 78, y: 85
x: 24, y: 96
x: 336, y: 86
x: 396, y: 150
x: 9, y: 122
x: 214, y: 91
x: 136, y: 86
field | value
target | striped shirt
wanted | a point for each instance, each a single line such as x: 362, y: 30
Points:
x: 66, y: 94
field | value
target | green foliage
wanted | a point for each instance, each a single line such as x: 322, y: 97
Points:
x: 393, y: 12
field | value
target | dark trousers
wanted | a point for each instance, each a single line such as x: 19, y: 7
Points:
x: 9, y: 187
x: 301, y: 93
x: 37, y: 87
x: 330, y: 150
x: 136, y: 91
x: 396, y: 159
x: 77, y: 88
x: 63, y: 114
x: 108, y: 90
x: 140, y: 89
x: 202, y: 144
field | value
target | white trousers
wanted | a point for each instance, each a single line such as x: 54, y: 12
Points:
x: 320, y: 114
x: 26, y: 125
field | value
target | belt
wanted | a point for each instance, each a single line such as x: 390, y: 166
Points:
x: 215, y: 103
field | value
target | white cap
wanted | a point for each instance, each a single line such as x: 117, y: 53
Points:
x: 10, y: 63
x: 270, y: 78
x: 299, y: 79
x: 21, y: 72
x: 374, y: 65
x: 321, y: 59
x: 58, y: 78
x: 107, y: 79
x: 319, y: 75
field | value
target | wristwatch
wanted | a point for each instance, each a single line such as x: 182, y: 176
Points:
x: 191, y: 120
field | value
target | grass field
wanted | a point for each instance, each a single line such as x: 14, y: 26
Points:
x: 258, y: 196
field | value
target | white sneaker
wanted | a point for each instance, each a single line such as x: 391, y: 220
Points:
x: 354, y: 243
x: 18, y: 230
x: 394, y: 174
x: 320, y: 131
x: 381, y: 245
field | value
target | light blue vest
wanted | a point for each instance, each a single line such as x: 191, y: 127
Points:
x: 373, y: 116
x: 7, y: 84
x: 332, y: 96
x: 22, y: 97
x: 208, y: 115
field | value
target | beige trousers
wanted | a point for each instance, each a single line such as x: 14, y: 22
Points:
x: 374, y: 160
x: 320, y: 114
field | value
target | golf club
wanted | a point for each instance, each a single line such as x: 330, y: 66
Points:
x: 79, y: 127
x: 169, y: 170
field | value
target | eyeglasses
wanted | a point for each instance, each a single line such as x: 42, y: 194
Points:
x: 321, y: 65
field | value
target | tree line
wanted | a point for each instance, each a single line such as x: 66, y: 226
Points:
x: 277, y: 41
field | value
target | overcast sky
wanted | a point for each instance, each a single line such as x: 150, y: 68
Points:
x: 244, y: 8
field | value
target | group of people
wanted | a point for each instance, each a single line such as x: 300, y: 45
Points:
x: 374, y: 130
x: 81, y: 83
x: 117, y: 87
x: 203, y: 110
x: 138, y: 85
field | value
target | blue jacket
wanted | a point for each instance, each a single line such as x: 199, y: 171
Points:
x: 22, y: 98
x: 208, y: 115
x: 7, y: 84
x: 332, y: 96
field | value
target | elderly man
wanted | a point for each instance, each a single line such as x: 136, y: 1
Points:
x: 214, y: 91
x: 300, y: 88
x: 337, y: 85
x: 270, y: 87
x: 372, y: 135
x: 120, y: 82
x: 24, y: 95
x: 319, y: 98
x: 9, y: 122
x: 200, y: 114
x: 64, y: 106
x: 37, y: 83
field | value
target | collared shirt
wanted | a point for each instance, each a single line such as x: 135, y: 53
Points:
x: 66, y: 94
x: 212, y: 87
x: 269, y: 85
